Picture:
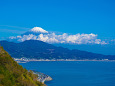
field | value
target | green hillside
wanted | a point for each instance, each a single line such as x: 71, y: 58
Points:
x: 12, y: 74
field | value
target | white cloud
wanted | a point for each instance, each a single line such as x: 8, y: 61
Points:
x: 63, y: 38
x: 12, y: 37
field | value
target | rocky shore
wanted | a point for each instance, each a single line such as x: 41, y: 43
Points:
x: 42, y: 77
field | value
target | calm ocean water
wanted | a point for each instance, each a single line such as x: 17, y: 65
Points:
x: 76, y: 73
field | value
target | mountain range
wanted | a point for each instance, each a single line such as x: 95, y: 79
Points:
x: 40, y: 50
x: 86, y: 42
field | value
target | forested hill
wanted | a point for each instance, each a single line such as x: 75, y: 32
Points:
x: 12, y: 74
x: 41, y: 50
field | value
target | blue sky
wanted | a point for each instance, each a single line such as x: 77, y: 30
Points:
x: 66, y: 16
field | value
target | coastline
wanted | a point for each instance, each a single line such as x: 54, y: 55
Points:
x: 75, y: 70
x: 24, y: 60
x: 42, y: 77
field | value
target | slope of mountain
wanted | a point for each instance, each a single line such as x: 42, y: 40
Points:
x: 36, y: 31
x: 12, y: 74
x: 41, y: 50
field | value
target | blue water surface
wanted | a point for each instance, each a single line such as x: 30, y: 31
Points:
x: 76, y: 73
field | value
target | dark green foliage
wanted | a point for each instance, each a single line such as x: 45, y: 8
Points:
x: 38, y: 49
x: 12, y: 74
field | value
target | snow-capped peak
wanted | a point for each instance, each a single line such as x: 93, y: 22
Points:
x: 38, y: 29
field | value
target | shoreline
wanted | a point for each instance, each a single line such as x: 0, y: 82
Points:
x: 21, y: 60
x: 69, y: 60
x: 42, y: 77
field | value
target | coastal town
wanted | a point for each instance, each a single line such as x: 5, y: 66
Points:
x: 25, y: 60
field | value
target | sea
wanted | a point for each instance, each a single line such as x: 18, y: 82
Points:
x: 75, y: 73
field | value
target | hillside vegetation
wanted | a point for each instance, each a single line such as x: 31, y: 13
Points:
x: 13, y: 74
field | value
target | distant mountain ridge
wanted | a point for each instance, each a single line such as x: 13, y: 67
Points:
x: 40, y: 50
